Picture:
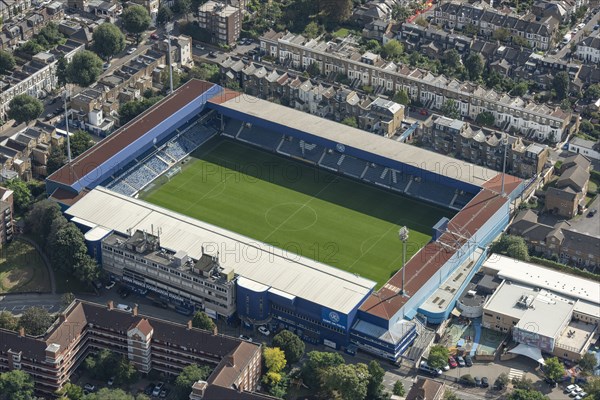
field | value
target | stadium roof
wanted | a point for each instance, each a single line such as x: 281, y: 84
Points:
x: 356, y: 138
x: 298, y: 276
x: 422, y: 266
x: 129, y: 133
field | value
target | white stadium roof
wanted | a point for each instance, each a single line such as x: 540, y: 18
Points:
x: 265, y: 265
x: 340, y: 133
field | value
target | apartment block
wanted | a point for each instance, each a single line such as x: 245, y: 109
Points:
x: 483, y: 146
x: 148, y: 342
x: 340, y: 57
x: 202, y: 284
x: 221, y: 20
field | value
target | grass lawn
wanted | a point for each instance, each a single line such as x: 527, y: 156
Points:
x: 303, y: 209
x: 22, y: 269
x: 341, y: 33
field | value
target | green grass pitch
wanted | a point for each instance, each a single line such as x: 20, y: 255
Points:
x: 300, y: 208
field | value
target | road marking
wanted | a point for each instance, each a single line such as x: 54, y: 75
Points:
x: 515, y: 374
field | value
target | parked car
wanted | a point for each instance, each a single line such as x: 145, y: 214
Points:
x: 263, y: 329
x: 246, y: 338
x: 154, y: 36
x: 163, y: 393
x: 123, y: 307
x: 569, y: 388
x: 596, y: 27
x: 131, y: 50
x: 477, y: 381
x: 110, y: 285
x: 106, y: 66
x: 212, y: 54
x: 111, y: 381
x: 592, y: 212
x: 581, y: 395
x: 89, y: 387
x: 468, y: 361
x: 149, y: 389
x: 424, y: 367
x: 452, y: 362
x: 158, y: 388
x: 484, y: 382
x: 460, y: 361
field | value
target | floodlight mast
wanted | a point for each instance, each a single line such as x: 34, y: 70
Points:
x: 403, y: 235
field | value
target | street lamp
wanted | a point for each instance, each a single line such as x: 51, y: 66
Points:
x: 403, y: 235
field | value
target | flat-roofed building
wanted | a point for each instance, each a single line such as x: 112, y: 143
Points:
x: 223, y: 21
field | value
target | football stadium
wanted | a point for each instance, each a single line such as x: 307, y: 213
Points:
x: 318, y: 205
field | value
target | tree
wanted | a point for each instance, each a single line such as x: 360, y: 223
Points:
x: 554, y: 369
x: 401, y: 97
x: 36, y: 320
x: 62, y: 70
x: 7, y: 62
x: 49, y: 36
x: 67, y: 298
x: 136, y: 20
x: 16, y: 385
x: 438, y: 356
x: 592, y: 387
x: 8, y: 321
x: 375, y: 382
x: 452, y: 59
x: 501, y: 34
x: 347, y: 381
x: 24, y: 108
x: 70, y: 391
x: 400, y: 13
x: 313, y: 69
x: 520, y: 89
x: 84, y: 69
x: 474, y: 66
x: 274, y: 359
x: 398, y: 389
x: 523, y: 383
x: 21, y: 194
x: 31, y: 47
x: 524, y: 394
x: 593, y: 92
x: 512, y: 246
x: 588, y: 362
x: 80, y: 142
x: 110, y: 394
x: 350, y: 121
x: 108, y: 40
x: 317, y: 362
x: 206, y: 72
x: 501, y: 381
x: 485, y: 118
x: 202, y: 321
x: 560, y: 83
x: 450, y: 395
x: 164, y: 15
x: 392, y: 49
x: 450, y: 109
x: 132, y: 109
x: 336, y: 11
x: 187, y: 377
x: 39, y: 219
x: 290, y: 344
x: 311, y: 30
x: 184, y: 6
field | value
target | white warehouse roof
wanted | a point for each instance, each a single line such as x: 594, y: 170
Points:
x: 322, y: 284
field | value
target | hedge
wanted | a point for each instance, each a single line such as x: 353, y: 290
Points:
x: 565, y: 268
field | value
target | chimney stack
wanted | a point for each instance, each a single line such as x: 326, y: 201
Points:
x: 21, y: 332
x: 110, y: 304
x: 62, y: 317
x: 135, y: 310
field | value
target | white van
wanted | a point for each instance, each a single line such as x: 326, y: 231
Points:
x: 123, y: 307
x: 424, y: 367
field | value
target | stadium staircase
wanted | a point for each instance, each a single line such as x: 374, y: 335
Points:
x: 341, y: 160
x: 425, y: 337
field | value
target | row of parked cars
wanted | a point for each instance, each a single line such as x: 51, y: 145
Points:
x: 575, y: 391
x: 156, y: 390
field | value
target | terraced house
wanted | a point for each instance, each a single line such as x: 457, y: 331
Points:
x: 339, y: 57
x: 538, y: 32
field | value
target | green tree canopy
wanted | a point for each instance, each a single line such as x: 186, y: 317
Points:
x: 84, y: 69
x: 485, y: 118
x: 35, y: 320
x: 311, y: 30
x: 109, y: 394
x: 8, y: 321
x: 512, y: 246
x: 183, y: 6
x: 136, y: 20
x: 16, y: 385
x: 452, y: 59
x: 438, y: 356
x: 24, y: 108
x: 291, y: 344
x: 347, y: 381
x: 7, y: 62
x: 474, y: 65
x: 70, y: 391
x: 187, y: 377
x: 501, y: 381
x: 21, y: 194
x: 401, y: 97
x: 206, y: 72
x: 80, y: 142
x: 39, y: 219
x: 202, y: 321
x: 592, y: 388
x: 524, y: 394
x: 561, y: 83
x: 350, y: 121
x: 49, y: 36
x: 398, y: 389
x: 69, y: 252
x: 554, y: 369
x: 108, y: 40
x: 133, y: 108
x: 30, y: 47
x: 593, y: 92
x: 588, y: 362
x: 274, y: 359
x: 164, y: 15
x: 450, y: 109
x: 317, y: 362
x: 392, y: 49
x: 375, y: 382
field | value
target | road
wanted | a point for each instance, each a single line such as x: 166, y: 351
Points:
x: 579, y: 36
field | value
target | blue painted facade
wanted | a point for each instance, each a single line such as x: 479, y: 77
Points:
x: 441, y: 175
x: 97, y: 174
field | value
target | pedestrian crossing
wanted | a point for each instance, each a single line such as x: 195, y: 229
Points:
x: 515, y: 374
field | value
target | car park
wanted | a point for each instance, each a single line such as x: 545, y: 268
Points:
x: 158, y: 388
x: 460, y: 361
x: 468, y: 361
x: 263, y: 329
x: 246, y: 338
